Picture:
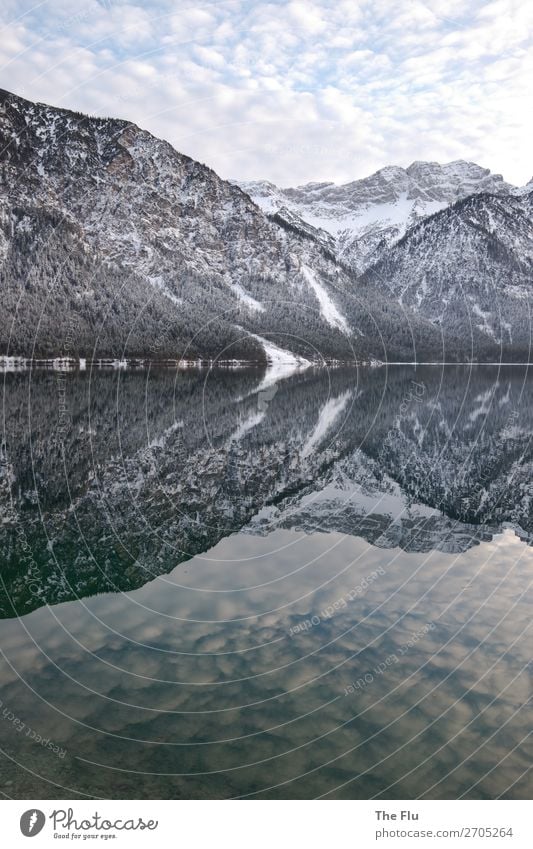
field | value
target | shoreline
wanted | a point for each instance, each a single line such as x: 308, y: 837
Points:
x: 72, y: 364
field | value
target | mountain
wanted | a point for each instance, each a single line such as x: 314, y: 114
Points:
x: 141, y: 248
x: 114, y: 244
x: 365, y: 216
x: 468, y: 269
x: 451, y: 244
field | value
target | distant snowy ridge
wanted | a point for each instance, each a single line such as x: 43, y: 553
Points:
x: 368, y: 215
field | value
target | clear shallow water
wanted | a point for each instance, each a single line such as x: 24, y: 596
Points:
x: 230, y: 587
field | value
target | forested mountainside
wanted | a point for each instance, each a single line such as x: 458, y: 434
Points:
x: 468, y: 268
x: 113, y: 244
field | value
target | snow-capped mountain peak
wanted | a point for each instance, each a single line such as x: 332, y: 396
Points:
x: 376, y: 211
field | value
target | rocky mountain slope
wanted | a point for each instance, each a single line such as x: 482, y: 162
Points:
x: 468, y: 268
x: 113, y: 243
x: 361, y: 218
x: 452, y: 244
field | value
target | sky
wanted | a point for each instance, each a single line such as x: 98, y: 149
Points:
x: 291, y: 91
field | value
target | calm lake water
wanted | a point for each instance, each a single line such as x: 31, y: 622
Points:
x: 242, y: 584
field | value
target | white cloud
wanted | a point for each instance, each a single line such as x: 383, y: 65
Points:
x: 291, y: 91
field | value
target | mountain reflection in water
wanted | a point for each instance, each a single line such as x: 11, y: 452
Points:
x: 284, y: 588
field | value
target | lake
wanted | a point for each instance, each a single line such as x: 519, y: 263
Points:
x: 263, y: 584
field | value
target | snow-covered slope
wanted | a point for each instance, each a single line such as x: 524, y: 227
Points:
x: 365, y: 216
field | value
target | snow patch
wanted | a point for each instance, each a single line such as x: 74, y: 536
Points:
x: 158, y: 283
x: 327, y: 417
x: 245, y: 298
x: 279, y: 356
x: 327, y: 308
x: 248, y: 424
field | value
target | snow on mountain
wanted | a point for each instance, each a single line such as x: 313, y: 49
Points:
x: 148, y: 246
x: 366, y: 216
x: 525, y: 191
x: 469, y: 269
x: 114, y: 245
x: 450, y: 243
x: 277, y: 356
x: 327, y: 307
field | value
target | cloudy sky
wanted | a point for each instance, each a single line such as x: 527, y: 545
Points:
x: 290, y: 90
